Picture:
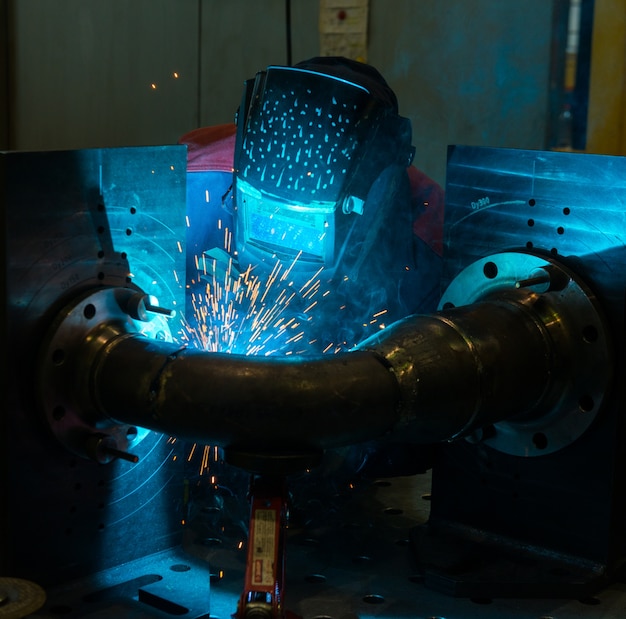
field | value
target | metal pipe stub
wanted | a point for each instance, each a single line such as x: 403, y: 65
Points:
x: 78, y: 335
x: 579, y: 356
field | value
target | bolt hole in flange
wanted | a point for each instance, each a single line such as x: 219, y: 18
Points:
x: 540, y: 440
x: 490, y: 269
x: 565, y: 306
x: 89, y: 311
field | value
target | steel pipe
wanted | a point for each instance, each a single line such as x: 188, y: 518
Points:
x: 252, y: 403
x: 517, y: 355
x: 426, y: 378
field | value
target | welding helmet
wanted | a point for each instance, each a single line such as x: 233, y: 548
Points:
x: 311, y: 141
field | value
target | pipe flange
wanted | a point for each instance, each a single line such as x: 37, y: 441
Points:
x: 77, y: 335
x: 576, y: 330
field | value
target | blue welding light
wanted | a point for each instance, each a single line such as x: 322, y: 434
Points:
x: 286, y: 229
x: 303, y: 140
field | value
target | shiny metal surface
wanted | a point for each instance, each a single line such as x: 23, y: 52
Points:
x: 580, y: 364
x: 77, y: 221
x: 567, y: 206
x: 569, y: 504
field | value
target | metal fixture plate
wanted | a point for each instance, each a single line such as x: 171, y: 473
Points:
x: 77, y: 221
x: 569, y: 208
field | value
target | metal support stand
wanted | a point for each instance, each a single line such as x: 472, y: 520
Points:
x: 264, y: 581
x: 263, y: 592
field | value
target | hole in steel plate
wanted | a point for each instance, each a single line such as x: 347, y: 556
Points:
x: 393, y: 511
x: 590, y: 334
x: 540, y: 440
x: 211, y: 541
x: 315, y: 578
x: 585, y: 403
x: 490, y: 270
x: 89, y: 311
x: 374, y: 598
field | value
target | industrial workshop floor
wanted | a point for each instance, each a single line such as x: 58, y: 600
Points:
x: 348, y: 558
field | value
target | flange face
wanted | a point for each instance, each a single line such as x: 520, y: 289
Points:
x: 77, y: 336
x: 576, y: 330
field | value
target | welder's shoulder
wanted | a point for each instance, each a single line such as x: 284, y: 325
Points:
x: 427, y: 199
x: 210, y: 148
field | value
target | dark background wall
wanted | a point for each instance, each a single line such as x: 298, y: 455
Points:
x: 88, y: 73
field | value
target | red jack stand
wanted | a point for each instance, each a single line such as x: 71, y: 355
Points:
x: 263, y: 592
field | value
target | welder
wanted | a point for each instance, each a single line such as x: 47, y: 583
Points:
x: 315, y: 176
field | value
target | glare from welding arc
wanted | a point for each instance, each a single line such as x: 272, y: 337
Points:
x: 261, y: 314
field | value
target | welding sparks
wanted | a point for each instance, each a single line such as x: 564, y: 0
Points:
x: 244, y: 313
x: 262, y: 313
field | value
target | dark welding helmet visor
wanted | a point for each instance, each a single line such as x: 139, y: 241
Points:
x: 309, y: 146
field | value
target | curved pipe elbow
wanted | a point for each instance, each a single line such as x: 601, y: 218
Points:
x: 425, y: 379
x: 247, y: 402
